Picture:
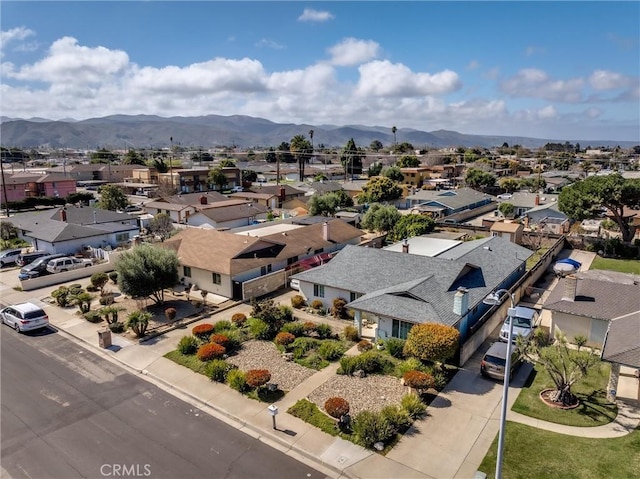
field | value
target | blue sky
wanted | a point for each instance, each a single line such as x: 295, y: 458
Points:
x: 557, y: 70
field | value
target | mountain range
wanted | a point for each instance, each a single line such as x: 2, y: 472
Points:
x: 149, y: 131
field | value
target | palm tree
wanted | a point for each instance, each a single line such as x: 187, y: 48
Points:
x: 311, y: 136
x: 300, y: 148
x: 393, y: 130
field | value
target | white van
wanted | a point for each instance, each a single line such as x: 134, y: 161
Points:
x: 294, y: 284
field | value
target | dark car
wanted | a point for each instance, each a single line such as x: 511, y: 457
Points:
x: 37, y: 267
x: 495, y: 360
x: 26, y: 258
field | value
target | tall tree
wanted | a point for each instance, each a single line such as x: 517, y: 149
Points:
x: 411, y: 225
x: 329, y: 203
x: 394, y: 130
x: 112, y: 198
x: 376, y: 145
x: 226, y: 163
x: 270, y: 156
x: 380, y: 218
x: 311, y: 136
x: 379, y: 189
x: 301, y: 150
x: 408, y: 161
x: 351, y: 159
x: 284, y: 153
x: 161, y: 225
x: 478, y: 179
x: 146, y: 271
x: 393, y: 173
x: 586, y: 198
x: 217, y: 177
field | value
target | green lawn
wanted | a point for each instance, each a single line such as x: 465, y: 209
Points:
x: 621, y: 265
x: 190, y: 361
x: 594, y: 409
x: 534, y: 453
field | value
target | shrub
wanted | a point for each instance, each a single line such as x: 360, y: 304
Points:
x: 238, y: 319
x: 210, y: 351
x: 317, y: 304
x: 237, y: 380
x: 351, y: 333
x: 396, y: 417
x: 75, y: 288
x: 218, y: 370
x: 309, y: 327
x: 395, y: 347
x: 410, y: 364
x: 222, y: 325
x: 170, y: 314
x: 286, y: 313
x: 234, y: 339
x: 203, y: 331
x: 364, y: 345
x: 83, y: 301
x: 221, y: 339
x: 370, y: 427
x: 297, y: 301
x: 331, y: 350
x: 99, y: 280
x: 106, y: 300
x: 295, y: 328
x: 113, y: 276
x: 259, y: 329
x: 324, y: 331
x: 188, y: 345
x: 432, y: 342
x: 257, y: 378
x: 91, y: 289
x: 306, y: 344
x: 117, y: 327
x: 93, y: 316
x: 62, y: 296
x: 413, y: 405
x: 418, y: 380
x: 339, y: 309
x: 284, y: 339
x: 138, y: 321
x: 312, y: 361
x: 440, y: 380
x: 336, y: 407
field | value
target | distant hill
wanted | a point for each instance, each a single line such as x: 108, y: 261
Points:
x: 144, y: 131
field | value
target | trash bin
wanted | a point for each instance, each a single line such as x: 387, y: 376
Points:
x: 104, y: 338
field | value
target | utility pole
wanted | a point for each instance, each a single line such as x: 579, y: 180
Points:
x: 4, y: 188
x: 171, y: 164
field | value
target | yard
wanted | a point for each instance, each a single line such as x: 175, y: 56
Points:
x: 620, y: 265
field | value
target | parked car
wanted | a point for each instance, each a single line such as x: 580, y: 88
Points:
x: 495, y: 360
x: 9, y: 256
x: 294, y: 284
x: 37, y: 267
x: 525, y: 320
x: 24, y: 317
x: 26, y: 258
x: 67, y: 263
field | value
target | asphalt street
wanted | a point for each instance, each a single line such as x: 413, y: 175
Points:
x: 68, y: 413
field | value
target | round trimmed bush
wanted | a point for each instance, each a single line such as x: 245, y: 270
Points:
x: 188, y: 345
x: 317, y: 304
x: 113, y: 276
x: 284, y: 339
x: 309, y: 327
x: 210, y: 351
x: 324, y: 331
x: 336, y: 407
x: 222, y: 325
x: 218, y: 370
x: 413, y: 405
x: 238, y: 319
x: 351, y: 333
x: 364, y: 345
x: 203, y: 331
x: 170, y: 314
x: 331, y: 350
x: 221, y: 339
x: 296, y: 328
x: 258, y: 377
x: 418, y: 380
x: 237, y: 380
x: 298, y: 301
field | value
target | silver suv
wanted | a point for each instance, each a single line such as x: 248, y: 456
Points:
x: 67, y: 264
x: 524, y: 321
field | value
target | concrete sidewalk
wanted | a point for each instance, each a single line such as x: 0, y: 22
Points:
x: 451, y: 441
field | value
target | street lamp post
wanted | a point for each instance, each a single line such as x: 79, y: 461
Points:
x: 495, y: 299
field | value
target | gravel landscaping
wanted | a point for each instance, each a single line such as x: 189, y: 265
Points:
x: 265, y: 355
x: 369, y: 393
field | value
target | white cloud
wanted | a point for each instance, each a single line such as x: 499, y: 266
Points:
x: 265, y: 42
x: 383, y: 78
x: 548, y: 111
x: 311, y: 15
x: 16, y: 34
x: 534, y: 83
x: 313, y: 79
x: 352, y: 51
x: 606, y: 80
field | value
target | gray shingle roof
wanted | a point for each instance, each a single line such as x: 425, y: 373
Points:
x: 622, y: 342
x: 453, y: 199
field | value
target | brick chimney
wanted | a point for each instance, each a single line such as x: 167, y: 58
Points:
x: 282, y: 194
x: 570, y: 287
x: 325, y: 231
x: 405, y: 246
x: 63, y: 215
x: 461, y: 302
x: 203, y: 200
x: 536, y: 201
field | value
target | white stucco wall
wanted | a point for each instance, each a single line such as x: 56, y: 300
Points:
x: 572, y: 326
x: 76, y: 245
x: 204, y: 280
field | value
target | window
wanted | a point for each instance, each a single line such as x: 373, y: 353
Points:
x: 318, y: 251
x: 265, y: 269
x: 318, y: 290
x: 353, y: 296
x: 400, y: 329
x: 292, y: 260
x: 187, y: 271
x: 216, y: 278
x: 120, y: 237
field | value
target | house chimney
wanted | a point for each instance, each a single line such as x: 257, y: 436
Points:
x: 282, y: 195
x: 536, y: 201
x: 405, y: 246
x: 461, y: 302
x: 203, y: 200
x: 570, y: 287
x: 325, y: 231
x: 63, y: 215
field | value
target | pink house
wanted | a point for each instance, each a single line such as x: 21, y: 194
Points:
x: 18, y: 186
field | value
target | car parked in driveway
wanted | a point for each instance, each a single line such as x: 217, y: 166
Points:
x: 524, y: 322
x: 494, y: 362
x: 24, y: 317
x: 67, y: 263
x: 26, y: 258
x: 9, y: 256
x: 37, y: 267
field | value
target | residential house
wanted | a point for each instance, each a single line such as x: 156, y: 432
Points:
x: 416, y: 176
x: 272, y: 196
x: 192, y: 180
x: 233, y: 259
x: 69, y: 229
x: 508, y: 230
x: 228, y: 214
x: 22, y: 185
x: 96, y: 171
x: 180, y: 207
x: 399, y: 289
x: 583, y: 303
x: 440, y: 204
x: 547, y: 218
x: 523, y: 201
